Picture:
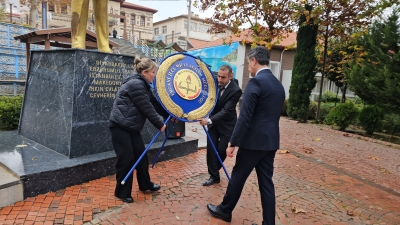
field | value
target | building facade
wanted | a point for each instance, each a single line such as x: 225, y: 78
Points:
x: 174, y: 29
x: 123, y: 16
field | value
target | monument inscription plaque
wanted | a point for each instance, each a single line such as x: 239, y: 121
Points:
x: 68, y: 99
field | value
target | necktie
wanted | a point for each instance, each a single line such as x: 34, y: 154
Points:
x: 221, y: 89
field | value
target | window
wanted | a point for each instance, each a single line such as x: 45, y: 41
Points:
x: 122, y: 20
x: 203, y: 28
x: 142, y: 19
x: 193, y: 26
x: 148, y: 24
x: 164, y: 29
x: 64, y: 9
x: 111, y: 11
x: 185, y: 25
x: 156, y: 31
x: 274, y: 66
x: 148, y: 19
x: 51, y: 7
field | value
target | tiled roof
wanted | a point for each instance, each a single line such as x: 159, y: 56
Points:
x: 138, y: 7
x: 246, y: 36
x: 195, y: 42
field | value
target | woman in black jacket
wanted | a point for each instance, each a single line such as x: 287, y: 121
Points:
x: 133, y: 104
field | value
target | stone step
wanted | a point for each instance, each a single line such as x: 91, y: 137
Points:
x: 11, y: 190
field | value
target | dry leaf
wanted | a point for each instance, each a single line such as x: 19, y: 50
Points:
x: 317, y: 139
x: 296, y: 210
x: 346, y: 134
x: 177, y: 217
x: 350, y: 213
x: 20, y: 146
x: 194, y: 129
x: 308, y: 150
x: 283, y: 151
x: 373, y: 158
x: 339, y: 162
x: 384, y: 171
x: 347, y: 144
x: 33, y: 158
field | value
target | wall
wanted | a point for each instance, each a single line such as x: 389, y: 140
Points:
x: 223, y: 54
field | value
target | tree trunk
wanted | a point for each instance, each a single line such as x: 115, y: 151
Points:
x: 33, y: 12
x: 343, y: 89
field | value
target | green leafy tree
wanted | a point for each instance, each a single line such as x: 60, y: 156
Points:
x: 375, y: 72
x: 303, y: 75
x: 338, y: 19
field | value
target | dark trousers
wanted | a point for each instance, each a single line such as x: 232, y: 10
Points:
x: 221, y: 143
x: 128, y: 147
x: 246, y: 160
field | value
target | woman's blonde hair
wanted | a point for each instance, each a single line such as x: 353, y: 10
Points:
x: 143, y: 64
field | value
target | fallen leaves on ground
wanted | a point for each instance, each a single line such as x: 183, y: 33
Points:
x: 194, y: 129
x: 338, y: 161
x: 350, y: 213
x: 308, y: 150
x: 384, y: 171
x: 373, y: 157
x: 317, y: 139
x: 283, y: 151
x: 297, y: 210
x: 346, y: 135
x: 20, y: 146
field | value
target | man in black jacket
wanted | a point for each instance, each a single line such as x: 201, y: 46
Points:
x: 257, y: 135
x: 221, y: 122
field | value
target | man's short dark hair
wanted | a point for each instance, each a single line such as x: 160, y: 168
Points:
x: 226, y: 67
x: 261, y: 54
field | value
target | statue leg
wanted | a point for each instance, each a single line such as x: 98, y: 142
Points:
x: 101, y: 18
x: 80, y: 9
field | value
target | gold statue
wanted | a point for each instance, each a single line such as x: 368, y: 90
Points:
x: 80, y: 10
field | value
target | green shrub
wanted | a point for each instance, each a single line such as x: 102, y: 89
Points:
x: 285, y: 105
x: 312, y: 110
x: 356, y: 100
x: 328, y: 96
x: 370, y: 119
x: 342, y: 115
x: 10, y: 109
x: 324, y: 110
x: 391, y: 124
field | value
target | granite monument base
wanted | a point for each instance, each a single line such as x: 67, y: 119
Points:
x: 42, y: 170
x: 68, y: 98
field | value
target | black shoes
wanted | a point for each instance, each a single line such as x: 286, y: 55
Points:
x: 216, y: 212
x: 211, y: 181
x: 155, y: 187
x: 127, y: 200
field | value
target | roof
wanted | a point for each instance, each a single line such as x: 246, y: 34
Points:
x: 246, y: 36
x: 184, y: 16
x: 196, y: 42
x: 59, y: 37
x: 173, y: 45
x: 138, y: 7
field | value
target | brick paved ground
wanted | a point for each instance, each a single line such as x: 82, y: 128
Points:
x: 345, y: 180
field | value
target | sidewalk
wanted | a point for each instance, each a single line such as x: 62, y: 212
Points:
x: 341, y: 180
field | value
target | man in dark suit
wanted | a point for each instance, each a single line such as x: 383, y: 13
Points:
x: 221, y: 122
x: 257, y: 135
